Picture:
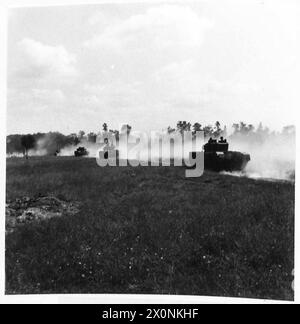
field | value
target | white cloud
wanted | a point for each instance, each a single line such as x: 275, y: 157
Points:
x: 128, y: 53
x: 35, y: 99
x: 101, y: 20
x: 110, y: 98
x: 40, y: 60
x: 97, y: 18
x: 153, y: 65
x: 47, y: 95
x: 159, y: 27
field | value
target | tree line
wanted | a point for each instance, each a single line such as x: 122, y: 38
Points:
x: 53, y: 142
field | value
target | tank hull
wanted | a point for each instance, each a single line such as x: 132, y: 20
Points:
x: 228, y: 161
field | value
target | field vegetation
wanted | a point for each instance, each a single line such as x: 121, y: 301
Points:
x: 150, y: 231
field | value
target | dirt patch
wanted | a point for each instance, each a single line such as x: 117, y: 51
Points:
x: 26, y: 210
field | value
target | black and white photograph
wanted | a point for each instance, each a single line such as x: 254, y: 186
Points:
x: 151, y: 149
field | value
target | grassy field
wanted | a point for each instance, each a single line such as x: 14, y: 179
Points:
x: 151, y: 231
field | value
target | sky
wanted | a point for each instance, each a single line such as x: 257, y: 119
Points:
x: 73, y: 68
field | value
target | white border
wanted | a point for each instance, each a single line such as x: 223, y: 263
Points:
x: 3, y: 45
x: 105, y: 299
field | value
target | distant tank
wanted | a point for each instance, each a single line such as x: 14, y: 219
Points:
x: 217, y: 157
x: 81, y: 151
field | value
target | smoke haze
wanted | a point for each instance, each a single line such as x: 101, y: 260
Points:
x: 273, y: 158
x: 272, y: 154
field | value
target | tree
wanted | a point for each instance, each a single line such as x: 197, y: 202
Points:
x: 171, y: 130
x: 73, y: 139
x: 92, y: 137
x: 243, y: 128
x: 81, y: 135
x: 105, y: 127
x: 208, y: 131
x: 13, y: 144
x: 197, y: 128
x: 183, y: 126
x: 218, y: 130
x: 28, y: 143
x: 289, y: 130
x: 251, y: 128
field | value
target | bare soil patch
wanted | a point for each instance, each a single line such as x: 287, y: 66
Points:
x: 27, y: 210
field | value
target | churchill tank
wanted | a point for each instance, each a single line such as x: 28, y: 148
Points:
x: 217, y: 157
x: 81, y: 151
